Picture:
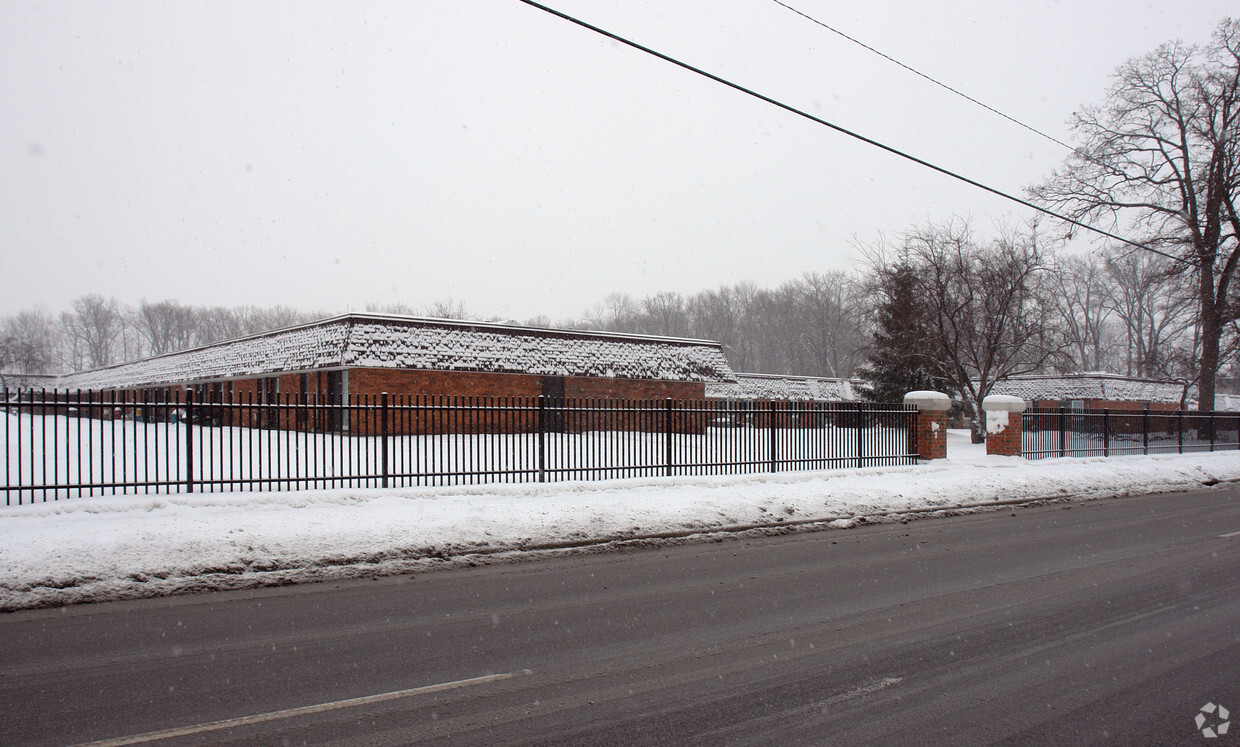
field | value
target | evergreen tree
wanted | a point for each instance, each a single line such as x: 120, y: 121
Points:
x: 899, y: 358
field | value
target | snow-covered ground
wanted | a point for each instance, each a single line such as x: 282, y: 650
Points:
x: 118, y: 547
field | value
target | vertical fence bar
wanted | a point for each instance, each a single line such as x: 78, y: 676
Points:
x: 1063, y: 431
x: 542, y: 437
x: 1106, y: 432
x: 55, y: 477
x: 8, y: 475
x: 1145, y: 430
x: 383, y: 439
x: 190, y: 419
x: 77, y: 429
x: 1180, y: 429
x: 667, y: 428
x: 860, y: 435
x: 770, y: 434
x: 19, y: 449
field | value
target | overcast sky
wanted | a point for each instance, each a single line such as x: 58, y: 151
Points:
x: 331, y: 155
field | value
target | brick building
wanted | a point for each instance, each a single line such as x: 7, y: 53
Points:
x: 794, y: 401
x: 1097, y: 391
x: 15, y: 381
x: 353, y: 357
x: 775, y: 387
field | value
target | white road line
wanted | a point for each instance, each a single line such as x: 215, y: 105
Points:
x: 1232, y: 534
x: 303, y: 711
x: 857, y: 692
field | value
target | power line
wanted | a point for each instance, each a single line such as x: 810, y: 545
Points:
x: 920, y: 74
x: 845, y: 131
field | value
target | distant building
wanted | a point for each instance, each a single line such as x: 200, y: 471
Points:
x: 774, y: 387
x: 1096, y: 391
x: 14, y: 381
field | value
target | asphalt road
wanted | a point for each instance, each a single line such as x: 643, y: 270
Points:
x: 1111, y: 622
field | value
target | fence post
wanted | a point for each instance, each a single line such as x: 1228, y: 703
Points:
x: 542, y: 438
x: 189, y: 439
x: 383, y: 438
x: 1106, y: 432
x: 860, y: 436
x: 770, y: 429
x: 1180, y: 434
x: 667, y: 428
x: 8, y: 483
x: 1145, y: 430
x: 1063, y: 430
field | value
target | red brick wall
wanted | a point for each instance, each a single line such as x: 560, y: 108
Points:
x: 1007, y: 441
x: 647, y: 398
x: 412, y: 395
x: 405, y: 387
x: 374, y: 381
x: 633, y: 389
x: 423, y: 389
x: 930, y: 435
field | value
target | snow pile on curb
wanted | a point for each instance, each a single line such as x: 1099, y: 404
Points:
x: 97, y: 549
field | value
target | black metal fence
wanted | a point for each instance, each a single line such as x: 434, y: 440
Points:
x: 1063, y: 432
x: 66, y: 444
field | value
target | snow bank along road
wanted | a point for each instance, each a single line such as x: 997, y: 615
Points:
x: 1109, y: 621
x: 120, y: 547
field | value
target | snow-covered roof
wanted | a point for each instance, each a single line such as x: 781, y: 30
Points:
x: 1093, y: 385
x: 27, y: 381
x: 388, y: 341
x: 774, y: 387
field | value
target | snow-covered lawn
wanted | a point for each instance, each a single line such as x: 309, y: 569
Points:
x: 116, y: 547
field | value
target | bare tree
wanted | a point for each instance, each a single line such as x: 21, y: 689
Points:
x: 830, y: 333
x: 1161, y: 158
x: 8, y: 354
x: 396, y: 307
x: 216, y: 324
x: 252, y: 320
x: 1078, y: 295
x: 447, y: 308
x: 93, y: 330
x: 724, y: 315
x: 29, y: 342
x: 986, y: 323
x: 664, y: 313
x: 166, y: 326
x: 617, y: 313
x: 773, y: 329
x: 1155, y: 310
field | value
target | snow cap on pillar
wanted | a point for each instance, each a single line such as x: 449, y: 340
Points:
x: 1002, y: 403
x: 928, y: 400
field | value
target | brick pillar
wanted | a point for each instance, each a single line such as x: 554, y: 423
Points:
x: 930, y: 436
x: 1003, y: 424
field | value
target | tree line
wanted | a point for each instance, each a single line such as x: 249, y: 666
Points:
x: 96, y: 331
x: 1120, y: 311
